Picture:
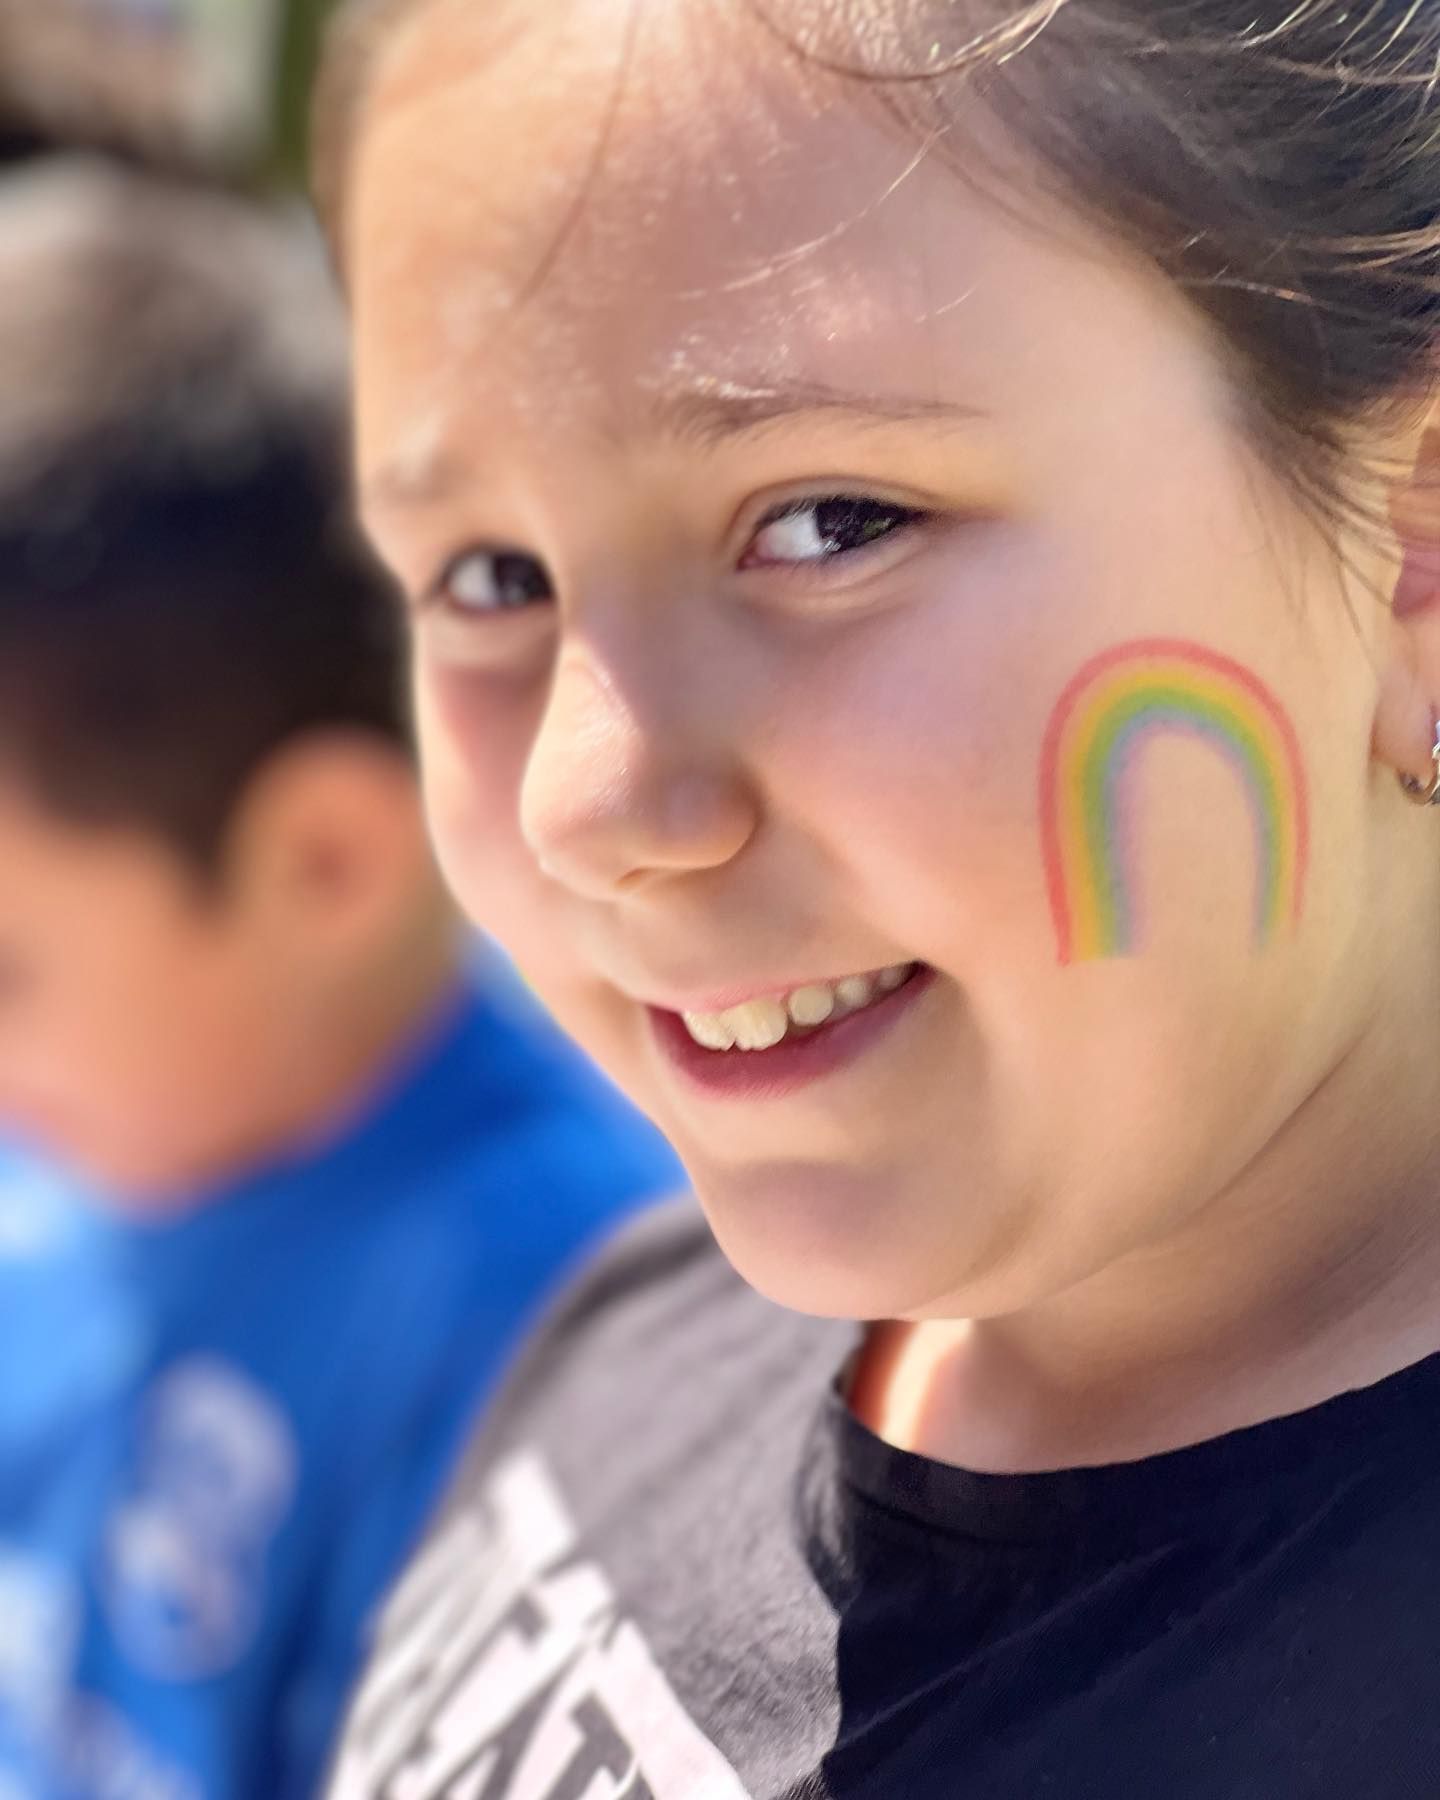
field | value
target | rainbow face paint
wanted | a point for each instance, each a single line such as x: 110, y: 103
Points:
x: 1109, y: 713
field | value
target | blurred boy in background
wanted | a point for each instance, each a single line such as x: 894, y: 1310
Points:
x: 328, y: 1173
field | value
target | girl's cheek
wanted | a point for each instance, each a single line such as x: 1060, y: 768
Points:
x: 917, y: 735
x: 475, y: 737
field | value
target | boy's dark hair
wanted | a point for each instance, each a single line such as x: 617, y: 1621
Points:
x: 182, y: 587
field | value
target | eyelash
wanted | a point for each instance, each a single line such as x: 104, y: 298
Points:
x: 509, y: 568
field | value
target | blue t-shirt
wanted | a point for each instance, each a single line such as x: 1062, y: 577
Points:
x: 219, y: 1436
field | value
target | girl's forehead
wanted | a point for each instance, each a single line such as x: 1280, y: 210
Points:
x: 562, y: 146
x: 569, y: 224
x: 560, y: 202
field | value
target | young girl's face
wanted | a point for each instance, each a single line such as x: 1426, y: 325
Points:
x: 824, y: 569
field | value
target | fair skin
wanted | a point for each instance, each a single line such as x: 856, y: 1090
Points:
x: 1110, y: 1208
x: 163, y: 1031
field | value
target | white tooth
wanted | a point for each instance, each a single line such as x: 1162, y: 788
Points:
x: 811, y: 1005
x: 758, y: 1024
x: 709, y: 1030
x: 890, y: 979
x: 854, y: 992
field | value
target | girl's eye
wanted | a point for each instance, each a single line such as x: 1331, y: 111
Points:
x: 818, y: 530
x: 493, y: 581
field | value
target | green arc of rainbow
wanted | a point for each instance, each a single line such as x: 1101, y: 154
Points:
x: 1116, y: 705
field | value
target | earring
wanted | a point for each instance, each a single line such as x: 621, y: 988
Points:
x: 1425, y: 793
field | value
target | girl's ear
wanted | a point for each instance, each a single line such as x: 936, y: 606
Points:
x: 1415, y: 515
x: 1410, y: 686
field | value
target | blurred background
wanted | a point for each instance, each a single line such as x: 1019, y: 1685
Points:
x: 283, y: 1180
x: 212, y: 88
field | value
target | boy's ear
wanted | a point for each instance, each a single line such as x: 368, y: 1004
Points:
x: 329, y: 845
x: 1410, y: 689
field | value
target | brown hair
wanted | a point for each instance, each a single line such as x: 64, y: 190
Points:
x: 1278, y: 159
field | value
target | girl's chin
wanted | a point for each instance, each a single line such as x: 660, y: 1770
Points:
x: 829, y: 1243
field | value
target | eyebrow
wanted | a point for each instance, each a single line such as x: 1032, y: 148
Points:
x: 706, y: 414
x: 712, y: 412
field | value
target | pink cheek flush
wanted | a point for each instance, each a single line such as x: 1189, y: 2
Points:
x: 1116, y: 705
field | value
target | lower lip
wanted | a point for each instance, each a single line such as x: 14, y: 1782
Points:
x: 794, y: 1062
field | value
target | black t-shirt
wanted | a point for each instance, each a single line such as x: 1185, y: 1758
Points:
x: 675, y: 1567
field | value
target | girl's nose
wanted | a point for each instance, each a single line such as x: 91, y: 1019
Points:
x: 613, y: 800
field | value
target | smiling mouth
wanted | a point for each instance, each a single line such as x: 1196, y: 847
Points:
x: 762, y: 1024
